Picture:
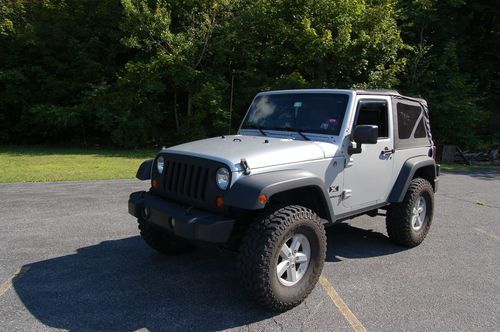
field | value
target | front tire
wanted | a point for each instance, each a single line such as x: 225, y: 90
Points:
x: 408, y: 222
x: 162, y: 241
x: 282, y: 256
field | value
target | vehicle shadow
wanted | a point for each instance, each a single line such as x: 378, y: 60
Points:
x: 346, y: 241
x: 122, y: 285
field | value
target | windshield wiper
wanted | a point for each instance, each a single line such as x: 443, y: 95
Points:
x: 301, y: 133
x: 258, y: 128
x: 298, y: 131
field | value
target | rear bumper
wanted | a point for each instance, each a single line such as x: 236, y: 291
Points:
x: 184, y: 222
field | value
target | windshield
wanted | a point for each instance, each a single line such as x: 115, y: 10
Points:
x: 304, y: 112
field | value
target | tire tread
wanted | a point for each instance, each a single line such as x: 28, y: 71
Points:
x: 257, y: 250
x: 398, y: 222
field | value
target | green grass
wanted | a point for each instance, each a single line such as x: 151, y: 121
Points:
x: 459, y: 167
x: 43, y: 164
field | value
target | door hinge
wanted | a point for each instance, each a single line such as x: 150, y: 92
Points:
x: 346, y: 193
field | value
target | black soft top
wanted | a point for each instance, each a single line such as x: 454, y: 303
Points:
x: 392, y: 93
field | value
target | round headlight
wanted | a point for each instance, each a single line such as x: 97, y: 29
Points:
x: 160, y: 163
x: 222, y: 178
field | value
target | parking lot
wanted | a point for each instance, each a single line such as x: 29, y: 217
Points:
x: 71, y: 258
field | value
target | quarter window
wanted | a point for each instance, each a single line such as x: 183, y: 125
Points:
x: 420, y: 131
x: 408, y: 116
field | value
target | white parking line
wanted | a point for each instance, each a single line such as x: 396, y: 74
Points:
x: 340, y: 304
x: 8, y: 284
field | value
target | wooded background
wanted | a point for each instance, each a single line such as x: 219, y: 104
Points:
x: 148, y: 73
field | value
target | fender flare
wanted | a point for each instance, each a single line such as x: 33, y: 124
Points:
x: 144, y: 171
x: 410, y: 167
x: 245, y: 192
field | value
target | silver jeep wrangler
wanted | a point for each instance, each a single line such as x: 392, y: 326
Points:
x: 302, y: 160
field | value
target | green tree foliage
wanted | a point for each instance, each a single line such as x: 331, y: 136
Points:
x: 156, y: 72
x: 51, y: 54
x: 453, y: 59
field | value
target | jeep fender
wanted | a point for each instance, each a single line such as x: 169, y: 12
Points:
x: 144, y: 171
x: 410, y: 167
x: 245, y: 192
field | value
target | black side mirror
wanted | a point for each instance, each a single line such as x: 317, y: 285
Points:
x: 363, y: 134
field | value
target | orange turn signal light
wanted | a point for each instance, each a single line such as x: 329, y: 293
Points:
x: 154, y: 183
x: 219, y: 201
x: 262, y: 199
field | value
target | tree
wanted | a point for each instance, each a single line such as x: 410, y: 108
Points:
x: 52, y: 53
x: 157, y: 72
x: 176, y: 59
x: 441, y: 50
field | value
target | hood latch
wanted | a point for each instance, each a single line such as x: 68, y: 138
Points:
x: 244, y: 165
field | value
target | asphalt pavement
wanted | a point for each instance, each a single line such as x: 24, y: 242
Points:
x: 71, y: 259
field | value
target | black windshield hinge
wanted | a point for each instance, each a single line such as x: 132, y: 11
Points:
x: 244, y: 165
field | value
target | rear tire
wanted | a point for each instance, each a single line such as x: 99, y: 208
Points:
x: 282, y: 256
x: 408, y: 222
x: 161, y: 240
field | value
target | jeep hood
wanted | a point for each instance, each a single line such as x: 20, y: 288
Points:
x: 258, y: 151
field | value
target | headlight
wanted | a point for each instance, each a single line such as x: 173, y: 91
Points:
x: 160, y: 163
x: 222, y: 178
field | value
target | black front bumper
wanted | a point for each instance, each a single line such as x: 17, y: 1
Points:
x: 184, y: 222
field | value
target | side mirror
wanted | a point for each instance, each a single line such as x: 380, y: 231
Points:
x: 363, y: 134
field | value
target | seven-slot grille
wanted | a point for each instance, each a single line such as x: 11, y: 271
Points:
x: 189, y: 180
x: 186, y: 179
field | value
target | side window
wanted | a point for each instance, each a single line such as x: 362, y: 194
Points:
x: 374, y: 112
x: 408, y: 115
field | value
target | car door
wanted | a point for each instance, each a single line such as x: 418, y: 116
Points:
x: 367, y: 176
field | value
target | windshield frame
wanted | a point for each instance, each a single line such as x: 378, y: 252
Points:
x: 289, y: 132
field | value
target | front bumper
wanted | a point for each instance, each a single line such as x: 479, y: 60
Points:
x: 184, y: 222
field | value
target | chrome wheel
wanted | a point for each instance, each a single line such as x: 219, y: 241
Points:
x: 418, y: 215
x: 293, y: 260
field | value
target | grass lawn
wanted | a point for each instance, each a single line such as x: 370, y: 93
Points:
x: 43, y: 164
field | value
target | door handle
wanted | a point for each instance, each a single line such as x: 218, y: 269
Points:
x: 387, y: 152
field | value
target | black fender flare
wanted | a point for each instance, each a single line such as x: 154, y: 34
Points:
x: 410, y: 167
x: 245, y: 192
x: 144, y: 171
